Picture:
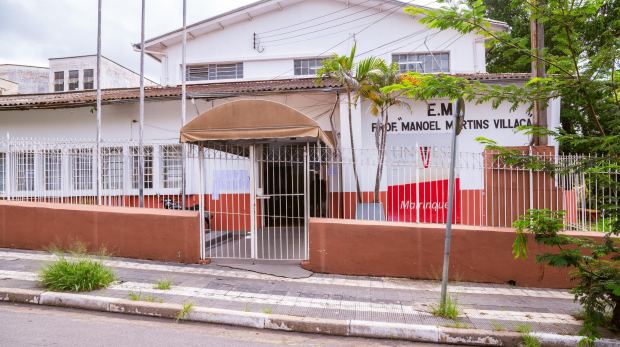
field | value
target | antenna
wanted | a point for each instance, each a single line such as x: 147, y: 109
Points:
x: 431, y: 53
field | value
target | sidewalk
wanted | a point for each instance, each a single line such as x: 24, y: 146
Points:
x: 322, y: 296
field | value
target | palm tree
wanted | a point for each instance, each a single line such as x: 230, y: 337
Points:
x: 380, y: 102
x: 351, y: 75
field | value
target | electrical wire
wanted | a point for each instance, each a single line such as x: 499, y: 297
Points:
x: 310, y: 20
x: 314, y: 25
x: 340, y: 24
x: 397, y: 40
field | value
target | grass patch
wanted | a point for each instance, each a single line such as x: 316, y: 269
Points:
x: 496, y: 325
x: 267, y: 310
x: 163, y: 283
x: 188, y: 306
x: 450, y: 309
x: 139, y: 296
x: 245, y: 308
x: 78, y: 275
x: 523, y: 328
x: 529, y: 340
x: 77, y: 247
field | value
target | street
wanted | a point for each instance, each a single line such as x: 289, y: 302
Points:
x: 29, y: 325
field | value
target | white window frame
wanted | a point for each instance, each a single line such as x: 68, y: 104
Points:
x: 149, y: 151
x: 209, y: 72
x: 162, y: 169
x: 87, y: 152
x: 308, y: 67
x: 111, y: 182
x: 437, y: 55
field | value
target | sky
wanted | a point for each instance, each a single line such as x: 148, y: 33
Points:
x: 32, y: 31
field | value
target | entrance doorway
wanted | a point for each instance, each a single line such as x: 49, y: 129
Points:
x: 282, y: 183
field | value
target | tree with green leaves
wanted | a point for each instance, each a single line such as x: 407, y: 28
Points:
x: 351, y: 75
x: 588, y: 78
x: 380, y: 103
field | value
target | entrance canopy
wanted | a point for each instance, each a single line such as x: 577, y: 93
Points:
x: 252, y: 119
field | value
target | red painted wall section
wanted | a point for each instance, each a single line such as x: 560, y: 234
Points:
x: 478, y: 254
x: 129, y: 232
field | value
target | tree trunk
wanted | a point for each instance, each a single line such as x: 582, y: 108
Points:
x: 615, y: 318
x: 357, y: 181
x: 381, y: 156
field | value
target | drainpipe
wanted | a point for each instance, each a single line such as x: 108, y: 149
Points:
x: 476, y: 70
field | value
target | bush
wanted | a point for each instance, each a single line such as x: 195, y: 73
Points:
x: 594, y: 267
x: 80, y: 274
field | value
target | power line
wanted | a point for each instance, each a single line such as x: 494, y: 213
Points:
x: 337, y: 25
x: 314, y: 25
x: 310, y: 20
x: 397, y: 40
x: 318, y: 37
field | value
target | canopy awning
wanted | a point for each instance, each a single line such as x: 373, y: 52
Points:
x: 252, y: 119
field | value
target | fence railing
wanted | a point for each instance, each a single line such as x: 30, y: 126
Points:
x: 397, y: 184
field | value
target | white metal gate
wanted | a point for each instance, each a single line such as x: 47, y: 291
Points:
x: 257, y: 197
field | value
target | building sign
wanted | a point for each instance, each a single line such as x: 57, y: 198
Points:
x: 432, y: 203
x: 438, y: 119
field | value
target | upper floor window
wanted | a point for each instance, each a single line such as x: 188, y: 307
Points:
x: 215, y: 72
x: 59, y: 81
x: 307, y: 66
x: 422, y: 62
x: 89, y: 78
x: 74, y: 80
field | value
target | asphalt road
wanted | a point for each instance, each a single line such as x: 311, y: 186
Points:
x: 28, y: 325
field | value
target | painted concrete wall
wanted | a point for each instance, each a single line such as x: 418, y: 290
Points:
x: 162, y: 235
x: 31, y: 79
x: 477, y: 254
x: 235, y: 42
x: 7, y: 87
x: 113, y: 75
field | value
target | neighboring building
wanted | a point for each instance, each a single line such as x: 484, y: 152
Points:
x: 80, y: 73
x: 7, y: 87
x: 31, y: 79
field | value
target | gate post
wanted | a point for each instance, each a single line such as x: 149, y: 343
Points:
x: 201, y: 199
x: 253, y: 231
x: 306, y: 199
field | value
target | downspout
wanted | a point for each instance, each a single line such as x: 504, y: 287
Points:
x: 476, y: 70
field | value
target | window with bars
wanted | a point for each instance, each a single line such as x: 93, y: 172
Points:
x: 53, y: 169
x: 24, y: 171
x: 214, y: 72
x: 171, y: 166
x: 307, y: 66
x: 422, y: 62
x: 74, y: 80
x: 112, y: 168
x: 148, y: 167
x: 89, y: 79
x: 2, y: 171
x: 82, y: 168
x: 59, y: 81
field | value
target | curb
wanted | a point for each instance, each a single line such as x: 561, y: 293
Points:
x: 353, y: 328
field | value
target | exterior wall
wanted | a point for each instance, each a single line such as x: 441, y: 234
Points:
x: 112, y: 74
x: 133, y: 233
x: 7, y: 87
x: 31, y: 79
x: 477, y: 254
x: 235, y: 42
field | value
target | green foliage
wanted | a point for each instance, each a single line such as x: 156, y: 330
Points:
x: 267, y: 310
x: 496, y: 325
x: 450, y: 309
x: 144, y: 297
x: 582, y: 58
x: 81, y: 274
x: 163, y: 283
x: 186, y: 308
x: 594, y: 266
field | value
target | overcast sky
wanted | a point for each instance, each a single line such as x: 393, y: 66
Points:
x: 31, y: 31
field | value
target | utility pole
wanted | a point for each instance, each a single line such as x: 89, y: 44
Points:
x: 537, y: 31
x: 183, y: 102
x: 98, y: 154
x: 141, y: 131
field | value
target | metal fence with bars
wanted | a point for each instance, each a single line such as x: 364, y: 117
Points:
x: 260, y: 196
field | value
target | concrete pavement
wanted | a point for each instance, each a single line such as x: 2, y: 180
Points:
x: 368, y: 302
x: 27, y: 325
